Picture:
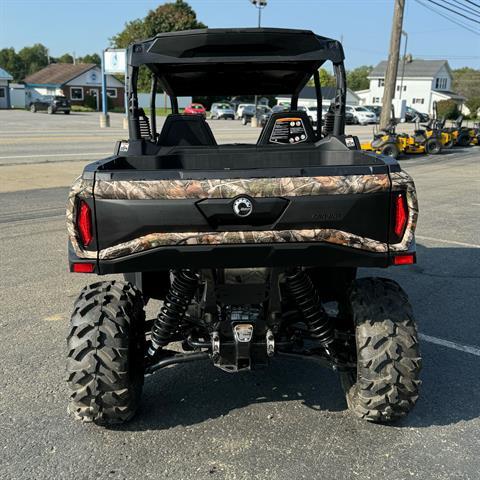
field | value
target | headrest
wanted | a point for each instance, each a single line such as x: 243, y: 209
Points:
x: 186, y: 130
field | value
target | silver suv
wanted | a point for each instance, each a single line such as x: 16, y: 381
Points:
x: 221, y: 110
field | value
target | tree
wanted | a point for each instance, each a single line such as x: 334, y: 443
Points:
x: 447, y: 109
x: 65, y: 58
x: 473, y: 105
x: 90, y: 58
x: 466, y: 82
x: 326, y: 78
x: 34, y: 58
x: 169, y: 17
x: 357, y: 79
x: 12, y: 63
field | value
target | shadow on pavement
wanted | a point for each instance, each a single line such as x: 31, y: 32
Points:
x: 443, y: 288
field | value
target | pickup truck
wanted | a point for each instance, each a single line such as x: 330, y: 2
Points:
x: 253, y: 250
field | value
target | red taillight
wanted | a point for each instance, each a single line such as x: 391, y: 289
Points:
x: 400, y: 215
x: 408, y: 259
x: 84, y: 223
x: 83, y: 267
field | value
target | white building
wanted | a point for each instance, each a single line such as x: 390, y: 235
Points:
x: 424, y: 82
x: 307, y: 97
x: 5, y: 79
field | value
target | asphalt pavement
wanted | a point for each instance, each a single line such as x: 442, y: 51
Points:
x: 286, y: 422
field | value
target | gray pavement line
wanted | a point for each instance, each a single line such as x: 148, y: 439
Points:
x: 447, y: 343
x: 453, y: 242
x: 476, y: 204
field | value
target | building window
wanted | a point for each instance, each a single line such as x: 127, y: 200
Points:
x: 76, y: 93
x: 2, y: 92
x: 441, y: 83
x: 112, y: 92
x: 398, y: 88
x: 404, y: 88
x: 418, y: 101
x: 381, y: 82
x: 376, y: 100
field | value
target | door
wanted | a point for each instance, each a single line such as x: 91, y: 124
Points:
x: 3, y: 97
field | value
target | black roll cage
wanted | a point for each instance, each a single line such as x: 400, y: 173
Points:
x: 265, y: 61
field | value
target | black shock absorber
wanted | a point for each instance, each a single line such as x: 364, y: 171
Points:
x: 302, y: 290
x: 172, y: 313
x: 329, y: 122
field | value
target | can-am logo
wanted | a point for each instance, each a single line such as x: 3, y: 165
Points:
x: 242, y: 207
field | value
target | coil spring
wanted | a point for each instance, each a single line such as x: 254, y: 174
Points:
x: 329, y: 123
x: 302, y: 290
x: 174, y: 307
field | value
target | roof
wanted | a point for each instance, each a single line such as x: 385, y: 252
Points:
x: 328, y: 93
x: 415, y: 68
x: 449, y: 94
x: 58, y: 73
x: 262, y: 61
x: 4, y: 75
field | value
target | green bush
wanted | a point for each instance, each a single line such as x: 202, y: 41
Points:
x: 91, y: 102
x: 447, y: 109
x: 473, y: 105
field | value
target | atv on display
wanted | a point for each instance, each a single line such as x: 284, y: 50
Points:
x: 253, y: 250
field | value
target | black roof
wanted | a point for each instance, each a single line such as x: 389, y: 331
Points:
x: 265, y: 61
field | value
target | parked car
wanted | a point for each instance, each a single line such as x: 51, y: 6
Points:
x: 361, y: 115
x: 376, y: 109
x: 51, y: 104
x: 349, y: 118
x: 263, y: 114
x: 241, y: 107
x: 280, y: 108
x: 221, y: 110
x: 195, y: 109
x: 311, y: 112
x: 412, y: 115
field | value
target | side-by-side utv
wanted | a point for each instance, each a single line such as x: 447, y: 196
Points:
x: 254, y: 251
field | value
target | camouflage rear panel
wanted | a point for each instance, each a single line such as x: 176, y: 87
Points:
x: 254, y: 187
x: 230, y: 188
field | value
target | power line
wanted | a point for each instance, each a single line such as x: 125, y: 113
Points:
x: 454, y: 11
x: 467, y: 27
x: 462, y: 7
x: 473, y: 3
x: 471, y: 9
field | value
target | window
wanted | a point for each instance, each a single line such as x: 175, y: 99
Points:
x: 404, y: 88
x: 441, y: 83
x: 112, y: 92
x: 2, y: 93
x: 418, y: 100
x: 398, y: 88
x: 76, y: 93
x: 376, y: 100
x: 381, y: 82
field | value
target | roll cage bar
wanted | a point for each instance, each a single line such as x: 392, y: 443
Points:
x: 260, y: 61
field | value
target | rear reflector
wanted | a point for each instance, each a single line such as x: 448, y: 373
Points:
x: 401, y: 215
x: 84, y: 223
x: 408, y: 259
x: 83, y: 267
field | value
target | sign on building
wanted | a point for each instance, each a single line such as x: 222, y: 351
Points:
x: 115, y: 60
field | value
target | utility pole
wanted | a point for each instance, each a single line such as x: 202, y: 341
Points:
x: 392, y: 66
x: 403, y: 63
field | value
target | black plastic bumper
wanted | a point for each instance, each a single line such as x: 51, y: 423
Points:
x: 239, y: 256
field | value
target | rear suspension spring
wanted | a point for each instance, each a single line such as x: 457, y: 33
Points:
x: 302, y: 290
x: 172, y: 313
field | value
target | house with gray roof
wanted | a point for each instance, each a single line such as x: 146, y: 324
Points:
x: 419, y: 82
x: 74, y: 81
x: 5, y: 79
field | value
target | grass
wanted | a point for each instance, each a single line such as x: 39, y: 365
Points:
x: 81, y: 108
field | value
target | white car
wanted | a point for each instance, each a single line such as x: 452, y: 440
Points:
x: 239, y: 112
x: 311, y: 112
x: 361, y: 115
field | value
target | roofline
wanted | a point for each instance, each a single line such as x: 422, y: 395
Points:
x: 59, y: 84
x: 444, y: 62
x: 55, y: 85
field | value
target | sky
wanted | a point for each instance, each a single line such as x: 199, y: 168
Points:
x: 85, y: 26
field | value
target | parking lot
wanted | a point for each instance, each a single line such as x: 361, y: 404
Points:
x: 286, y: 422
